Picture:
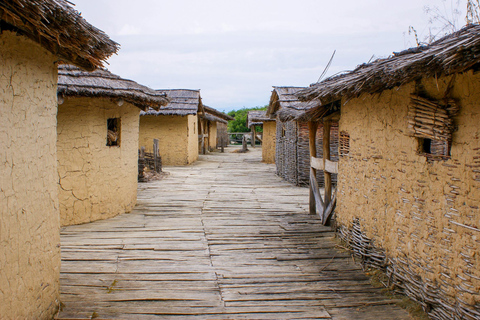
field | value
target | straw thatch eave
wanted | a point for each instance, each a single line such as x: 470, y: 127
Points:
x: 73, y: 82
x: 285, y: 105
x: 182, y: 102
x: 455, y: 53
x: 257, y: 118
x: 56, y: 26
x: 218, y: 114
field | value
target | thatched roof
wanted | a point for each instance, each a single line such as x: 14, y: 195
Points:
x: 455, y: 53
x: 183, y: 102
x: 101, y: 83
x: 56, y: 26
x: 214, y: 115
x: 285, y: 104
x: 257, y: 118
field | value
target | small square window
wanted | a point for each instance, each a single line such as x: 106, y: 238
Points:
x: 434, y: 149
x: 113, y: 132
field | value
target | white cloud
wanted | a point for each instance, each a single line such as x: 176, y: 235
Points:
x: 235, y: 51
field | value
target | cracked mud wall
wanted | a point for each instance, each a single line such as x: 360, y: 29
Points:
x: 96, y: 181
x: 424, y: 214
x: 268, y: 143
x: 29, y: 220
x: 177, y: 137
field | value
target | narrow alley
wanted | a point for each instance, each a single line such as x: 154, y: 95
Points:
x: 224, y: 238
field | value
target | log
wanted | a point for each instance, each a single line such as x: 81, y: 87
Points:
x: 312, y: 133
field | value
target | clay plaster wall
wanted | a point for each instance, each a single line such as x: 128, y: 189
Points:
x: 268, y: 141
x: 212, y: 136
x: 425, y: 214
x: 96, y: 181
x: 177, y: 136
x: 29, y: 219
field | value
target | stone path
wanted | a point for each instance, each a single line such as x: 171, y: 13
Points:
x: 221, y: 239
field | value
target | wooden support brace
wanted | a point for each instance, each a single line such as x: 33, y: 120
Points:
x: 312, y: 129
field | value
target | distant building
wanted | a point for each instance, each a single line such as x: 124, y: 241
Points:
x: 292, y: 155
x: 176, y: 126
x: 215, y: 128
x: 259, y: 118
x: 97, y: 142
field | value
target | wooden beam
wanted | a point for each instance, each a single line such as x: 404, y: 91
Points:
x: 312, y: 134
x: 331, y: 166
x: 326, y: 155
x: 317, y: 163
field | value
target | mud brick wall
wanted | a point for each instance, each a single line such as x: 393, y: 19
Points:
x: 96, y: 181
x: 424, y: 214
x: 29, y: 217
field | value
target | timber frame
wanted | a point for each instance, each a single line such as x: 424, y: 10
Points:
x: 326, y: 206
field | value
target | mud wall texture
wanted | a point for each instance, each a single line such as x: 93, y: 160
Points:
x: 192, y: 139
x: 424, y: 214
x: 212, y: 136
x: 96, y: 181
x: 29, y: 218
x: 177, y: 136
x: 268, y: 143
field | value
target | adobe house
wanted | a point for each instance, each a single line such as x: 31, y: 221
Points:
x: 292, y: 156
x: 176, y: 126
x: 408, y: 199
x: 97, y: 142
x: 34, y: 36
x: 213, y: 120
x: 259, y: 118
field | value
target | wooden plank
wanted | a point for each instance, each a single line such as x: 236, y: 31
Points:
x: 199, y: 247
x: 331, y: 166
x: 317, y: 163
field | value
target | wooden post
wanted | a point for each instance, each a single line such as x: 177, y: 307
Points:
x: 156, y: 154
x: 312, y: 130
x: 254, y: 133
x: 141, y: 163
x: 326, y: 156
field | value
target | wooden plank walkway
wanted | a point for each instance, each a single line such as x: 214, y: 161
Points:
x: 221, y: 239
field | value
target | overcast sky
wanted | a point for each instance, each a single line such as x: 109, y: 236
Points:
x: 236, y: 50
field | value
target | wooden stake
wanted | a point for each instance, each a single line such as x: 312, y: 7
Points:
x: 254, y: 133
x: 312, y: 129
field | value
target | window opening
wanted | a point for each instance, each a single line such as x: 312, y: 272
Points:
x: 343, y: 144
x: 113, y: 132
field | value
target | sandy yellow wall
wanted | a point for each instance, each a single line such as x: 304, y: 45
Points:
x: 192, y: 138
x: 212, y: 137
x: 268, y: 143
x: 422, y: 213
x: 29, y: 220
x: 175, y: 135
x: 96, y: 181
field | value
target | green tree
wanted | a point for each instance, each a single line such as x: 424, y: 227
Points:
x: 240, y: 122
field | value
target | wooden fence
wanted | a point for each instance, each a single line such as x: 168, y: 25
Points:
x: 151, y: 161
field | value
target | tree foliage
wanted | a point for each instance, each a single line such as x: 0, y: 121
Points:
x: 240, y: 122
